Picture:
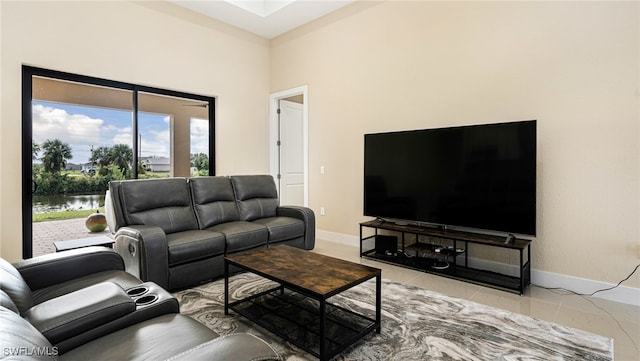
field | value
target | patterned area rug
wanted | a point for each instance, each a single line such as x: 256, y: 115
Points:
x: 417, y: 324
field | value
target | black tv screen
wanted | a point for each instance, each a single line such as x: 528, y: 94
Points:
x: 481, y: 176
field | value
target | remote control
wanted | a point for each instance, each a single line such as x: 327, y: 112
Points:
x: 510, y: 239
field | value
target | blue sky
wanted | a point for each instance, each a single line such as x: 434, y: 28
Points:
x: 83, y: 127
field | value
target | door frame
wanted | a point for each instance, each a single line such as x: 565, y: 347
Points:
x: 273, y: 134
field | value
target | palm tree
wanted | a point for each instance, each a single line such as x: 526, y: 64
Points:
x: 35, y: 148
x: 121, y: 156
x: 55, y: 155
x: 100, y: 157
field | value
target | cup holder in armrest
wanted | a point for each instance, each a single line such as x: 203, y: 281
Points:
x: 141, y: 295
x: 137, y: 291
x: 146, y: 300
x: 151, y: 300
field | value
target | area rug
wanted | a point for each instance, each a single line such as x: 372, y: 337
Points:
x: 417, y: 324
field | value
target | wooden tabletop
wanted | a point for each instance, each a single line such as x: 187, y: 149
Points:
x: 322, y: 275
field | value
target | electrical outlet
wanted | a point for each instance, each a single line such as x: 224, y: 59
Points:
x: 322, y: 211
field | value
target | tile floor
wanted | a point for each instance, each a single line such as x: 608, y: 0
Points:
x: 612, y: 319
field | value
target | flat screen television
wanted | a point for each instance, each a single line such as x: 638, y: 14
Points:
x: 481, y: 177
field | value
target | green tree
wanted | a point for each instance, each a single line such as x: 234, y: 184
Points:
x: 100, y: 157
x: 200, y: 161
x: 35, y: 148
x: 121, y: 155
x: 55, y: 155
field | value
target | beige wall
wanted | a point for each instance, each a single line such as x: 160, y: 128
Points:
x: 573, y: 66
x: 149, y: 43
x: 376, y: 67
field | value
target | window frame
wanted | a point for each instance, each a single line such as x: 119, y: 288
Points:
x: 28, y: 72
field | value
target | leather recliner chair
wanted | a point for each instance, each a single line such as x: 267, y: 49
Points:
x: 76, y: 296
x: 81, y: 305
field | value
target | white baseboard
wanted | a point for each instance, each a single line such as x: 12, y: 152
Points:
x: 622, y: 294
x: 338, y: 238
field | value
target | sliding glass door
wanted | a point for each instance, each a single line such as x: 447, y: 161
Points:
x: 83, y: 132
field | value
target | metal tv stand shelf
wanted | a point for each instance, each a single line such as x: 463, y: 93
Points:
x: 445, y: 253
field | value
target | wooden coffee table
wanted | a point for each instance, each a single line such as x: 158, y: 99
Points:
x: 297, y: 309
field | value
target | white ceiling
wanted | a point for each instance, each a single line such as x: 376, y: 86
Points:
x: 267, y: 18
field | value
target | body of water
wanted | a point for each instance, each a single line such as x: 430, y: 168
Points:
x: 60, y: 202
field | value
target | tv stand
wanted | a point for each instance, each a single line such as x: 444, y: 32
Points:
x: 433, y: 247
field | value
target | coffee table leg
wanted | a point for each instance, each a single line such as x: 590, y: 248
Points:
x: 323, y: 319
x: 378, y: 302
x: 226, y: 288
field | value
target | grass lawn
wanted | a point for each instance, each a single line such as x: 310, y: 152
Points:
x: 58, y: 216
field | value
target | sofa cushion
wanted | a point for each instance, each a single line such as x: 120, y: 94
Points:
x: 256, y: 195
x: 165, y: 203
x: 214, y: 201
x: 155, y: 339
x: 12, y: 283
x: 282, y: 228
x: 237, y: 346
x: 193, y: 245
x: 242, y: 235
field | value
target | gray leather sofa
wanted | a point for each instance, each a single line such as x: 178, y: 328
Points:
x: 176, y: 231
x: 82, y: 305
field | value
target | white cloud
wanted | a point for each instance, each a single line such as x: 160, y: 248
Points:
x: 123, y: 136
x: 79, y: 131
x: 199, y: 136
x: 155, y: 142
x: 83, y: 133
x: 52, y: 123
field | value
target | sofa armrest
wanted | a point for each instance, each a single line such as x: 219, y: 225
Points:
x: 307, y: 216
x: 77, y: 312
x: 150, y: 300
x: 145, y: 252
x: 237, y: 346
x: 47, y: 270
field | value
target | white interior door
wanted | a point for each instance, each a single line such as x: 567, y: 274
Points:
x: 291, y: 153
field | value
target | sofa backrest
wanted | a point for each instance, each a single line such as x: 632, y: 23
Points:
x: 13, y: 285
x: 256, y: 196
x: 165, y: 203
x: 213, y: 200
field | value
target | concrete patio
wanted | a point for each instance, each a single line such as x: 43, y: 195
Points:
x: 45, y: 233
